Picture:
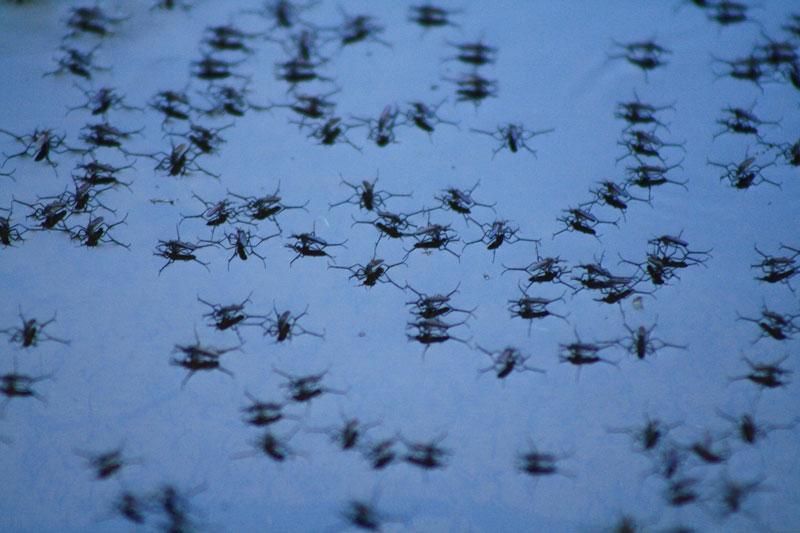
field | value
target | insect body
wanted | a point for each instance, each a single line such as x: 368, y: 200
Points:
x: 513, y: 136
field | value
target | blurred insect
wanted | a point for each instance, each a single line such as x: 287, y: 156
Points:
x: 175, y: 506
x: 774, y: 325
x: 381, y: 454
x: 682, y: 491
x: 284, y: 326
x: 746, y: 68
x: 581, y: 353
x: 474, y: 88
x: 96, y: 173
x: 312, y: 107
x: 645, y: 144
x: 530, y: 308
x: 790, y: 153
x: 349, y: 434
x: 232, y: 316
x: 172, y: 104
x: 309, y: 245
x: 265, y: 207
x: 474, y: 53
x: 778, y: 269
x: 641, y: 343
x: 381, y: 131
x: 104, y: 135
x: 242, y: 243
x: 262, y: 414
x: 298, y: 70
x: 363, y: 515
x: 180, y: 161
x: 359, y: 28
x: 95, y: 232
x: 331, y: 132
x: 649, y: 176
x: 16, y: 385
x: 434, y: 237
x: 461, y: 201
x: 512, y: 136
x: 274, y: 447
x: 304, y: 47
x: 77, y: 63
x: 100, y: 101
x: 375, y: 271
x: 366, y: 197
x: 538, y: 463
x: 704, y: 450
x: 670, y: 460
x: 431, y: 16
x: 31, y: 333
x: 673, y: 252
x: 742, y: 121
x: 733, y: 494
x: 283, y: 12
x: 637, y: 112
x: 647, y: 55
x: 726, y: 13
x: 649, y: 436
x: 302, y: 389
x: 745, y: 174
x: 130, y: 506
x: 228, y: 100
x: 211, y: 68
x: 497, y: 233
x: 766, y: 375
x: 177, y: 250
x: 105, y: 464
x: 197, y: 357
x: 169, y: 5
x: 39, y: 145
x: 748, y: 430
x: 506, y: 361
x: 433, y: 331
x: 543, y: 270
x: 228, y: 38
x: 91, y: 20
x: 427, y: 455
x: 10, y: 233
x: 425, y: 117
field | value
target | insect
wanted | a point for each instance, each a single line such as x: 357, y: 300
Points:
x: 303, y: 389
x: 543, y: 270
x: 39, y: 145
x: 506, y: 361
x: 228, y: 38
x: 241, y: 242
x: 210, y: 68
x: 682, y: 491
x: 180, y: 161
x: 227, y: 100
x: 705, y: 451
x: 175, y: 506
x: 381, y: 131
x: 283, y: 12
x: 103, y: 135
x: 647, y: 55
x: 206, y: 140
x: 778, y: 269
x: 312, y: 107
x: 197, y: 357
x: 425, y: 116
x: 275, y: 447
x: 363, y: 515
x: 309, y: 245
x: 77, y: 63
x: 513, y: 136
x: 774, y: 325
x: 31, y: 333
x: 298, y: 70
x: 538, y: 463
x: 232, y: 316
x: 266, y: 207
x: 474, y: 88
x: 10, y: 233
x: 726, y: 13
x: 177, y: 250
x: 641, y: 343
x: 172, y: 104
x: 733, y: 494
x: 374, y: 271
x: 582, y: 221
x: 745, y: 174
x: 130, y: 506
x: 428, y: 455
x: 215, y: 214
x: 96, y: 231
x: 766, y: 375
x: 529, y: 308
x: 461, y: 201
x: 497, y: 233
x: 742, y: 121
x: 16, y: 385
x: 648, y: 436
x: 434, y: 237
x: 746, y: 68
x: 637, y: 112
x: 50, y: 214
x: 105, y: 464
x: 791, y: 153
x: 284, y: 326
x: 331, y: 132
x: 436, y: 305
x: 641, y: 143
x: 366, y: 197
x: 394, y: 226
x: 649, y: 176
x: 100, y: 101
x: 673, y: 252
x: 433, y: 331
